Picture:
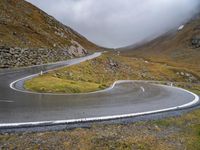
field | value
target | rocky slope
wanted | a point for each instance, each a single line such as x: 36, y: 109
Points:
x: 180, y: 48
x: 29, y: 36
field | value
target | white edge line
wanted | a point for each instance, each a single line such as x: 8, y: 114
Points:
x: 37, y: 74
x: 104, y: 118
x: 51, y: 63
x: 142, y: 88
x: 104, y: 90
x: 6, y: 101
x: 195, y: 101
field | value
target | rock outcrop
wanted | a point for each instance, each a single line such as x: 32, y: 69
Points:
x: 20, y: 57
x: 29, y: 36
x: 76, y: 49
x: 196, y: 41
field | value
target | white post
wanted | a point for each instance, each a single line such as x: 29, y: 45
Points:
x: 41, y: 73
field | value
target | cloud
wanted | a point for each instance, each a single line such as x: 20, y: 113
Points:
x: 117, y: 23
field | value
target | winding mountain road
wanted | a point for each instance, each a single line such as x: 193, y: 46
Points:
x: 123, y: 99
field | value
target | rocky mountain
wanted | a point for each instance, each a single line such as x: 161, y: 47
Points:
x: 29, y: 36
x: 179, y: 48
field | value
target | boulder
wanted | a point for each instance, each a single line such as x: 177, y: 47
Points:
x: 196, y: 41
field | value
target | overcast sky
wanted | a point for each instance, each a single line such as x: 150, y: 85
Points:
x: 117, y: 23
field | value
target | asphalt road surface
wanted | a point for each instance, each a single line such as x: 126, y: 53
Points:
x: 123, y: 99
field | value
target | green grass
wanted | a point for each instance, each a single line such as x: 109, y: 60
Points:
x: 99, y: 74
x: 81, y: 78
x: 53, y: 84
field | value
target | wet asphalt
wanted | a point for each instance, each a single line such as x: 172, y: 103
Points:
x: 124, y: 98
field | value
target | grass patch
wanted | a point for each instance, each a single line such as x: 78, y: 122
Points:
x: 101, y: 72
x: 53, y: 84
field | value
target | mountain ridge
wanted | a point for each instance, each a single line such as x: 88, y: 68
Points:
x: 26, y: 33
x: 179, y: 48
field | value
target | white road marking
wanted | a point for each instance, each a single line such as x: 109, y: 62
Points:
x: 5, y: 101
x: 142, y: 88
x: 70, y: 63
x: 103, y: 118
x: 193, y: 102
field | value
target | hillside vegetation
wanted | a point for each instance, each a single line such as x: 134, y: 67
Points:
x: 172, y: 57
x: 29, y: 36
x: 85, y: 77
x: 181, y: 48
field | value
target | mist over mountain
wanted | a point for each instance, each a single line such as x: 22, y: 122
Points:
x: 117, y: 23
x: 180, y: 48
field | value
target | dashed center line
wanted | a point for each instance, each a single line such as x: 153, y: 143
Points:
x: 5, y: 101
x: 142, y: 88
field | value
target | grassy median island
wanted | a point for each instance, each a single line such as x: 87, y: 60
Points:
x: 49, y: 83
x: 101, y: 72
x: 88, y: 76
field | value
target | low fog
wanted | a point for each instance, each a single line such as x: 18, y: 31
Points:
x: 118, y: 23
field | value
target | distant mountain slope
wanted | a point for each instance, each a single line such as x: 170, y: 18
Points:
x: 27, y: 33
x: 181, y: 48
